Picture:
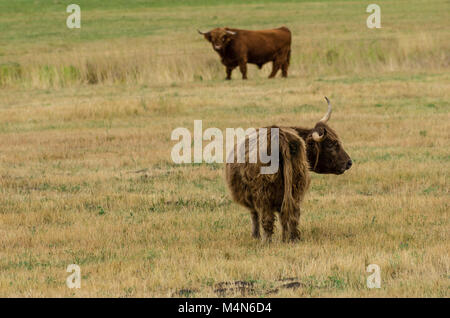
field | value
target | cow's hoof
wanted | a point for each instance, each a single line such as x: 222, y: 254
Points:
x: 295, y: 238
x: 228, y: 79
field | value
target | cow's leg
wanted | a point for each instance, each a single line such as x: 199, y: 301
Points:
x: 293, y: 225
x: 275, y: 68
x: 243, y: 68
x: 268, y: 218
x: 255, y: 224
x: 229, y: 70
x: 284, y: 219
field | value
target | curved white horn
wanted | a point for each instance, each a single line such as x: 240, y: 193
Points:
x: 201, y: 32
x: 328, y: 114
x: 317, y: 137
x: 230, y: 32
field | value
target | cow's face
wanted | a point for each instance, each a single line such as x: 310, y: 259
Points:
x: 219, y: 38
x: 325, y: 151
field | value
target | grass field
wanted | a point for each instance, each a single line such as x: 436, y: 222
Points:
x: 86, y: 175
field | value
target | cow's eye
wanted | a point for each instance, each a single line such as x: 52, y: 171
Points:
x: 332, y: 145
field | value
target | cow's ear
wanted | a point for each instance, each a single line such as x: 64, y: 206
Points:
x: 318, y: 134
x: 322, y: 131
x: 207, y: 36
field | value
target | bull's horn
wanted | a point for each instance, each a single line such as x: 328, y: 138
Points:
x: 317, y: 137
x: 328, y: 114
x: 201, y: 32
x: 231, y: 32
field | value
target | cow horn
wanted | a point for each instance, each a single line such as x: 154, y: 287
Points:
x: 317, y: 137
x: 231, y: 32
x: 203, y: 33
x: 328, y: 114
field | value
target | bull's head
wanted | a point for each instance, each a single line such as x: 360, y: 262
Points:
x: 325, y: 151
x: 219, y: 37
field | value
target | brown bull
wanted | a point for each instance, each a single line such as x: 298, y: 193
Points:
x: 238, y: 47
x: 300, y: 149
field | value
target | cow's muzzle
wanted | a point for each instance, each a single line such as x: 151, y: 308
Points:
x: 347, y: 166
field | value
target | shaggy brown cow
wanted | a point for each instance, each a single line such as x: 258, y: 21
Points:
x: 239, y: 47
x: 318, y: 149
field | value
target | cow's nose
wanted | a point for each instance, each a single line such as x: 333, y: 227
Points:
x: 349, y: 164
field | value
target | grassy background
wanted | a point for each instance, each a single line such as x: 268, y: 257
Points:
x: 145, y: 42
x: 82, y: 110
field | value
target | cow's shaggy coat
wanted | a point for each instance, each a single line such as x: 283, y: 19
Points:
x: 317, y: 149
x: 263, y: 194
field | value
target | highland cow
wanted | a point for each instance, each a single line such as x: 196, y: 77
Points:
x: 238, y: 47
x: 300, y: 150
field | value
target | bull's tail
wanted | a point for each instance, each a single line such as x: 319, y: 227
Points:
x: 288, y: 58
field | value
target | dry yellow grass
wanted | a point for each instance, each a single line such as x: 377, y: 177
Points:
x: 69, y: 152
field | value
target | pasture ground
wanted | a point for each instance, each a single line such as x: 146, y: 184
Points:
x: 86, y: 175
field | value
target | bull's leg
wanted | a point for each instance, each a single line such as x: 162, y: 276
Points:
x: 229, y: 70
x: 285, y: 64
x: 293, y: 225
x: 275, y: 68
x: 243, y: 68
x: 284, y: 69
x: 255, y: 223
x: 268, y: 218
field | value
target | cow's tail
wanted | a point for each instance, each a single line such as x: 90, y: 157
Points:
x: 288, y: 204
x: 288, y: 58
x: 295, y: 164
